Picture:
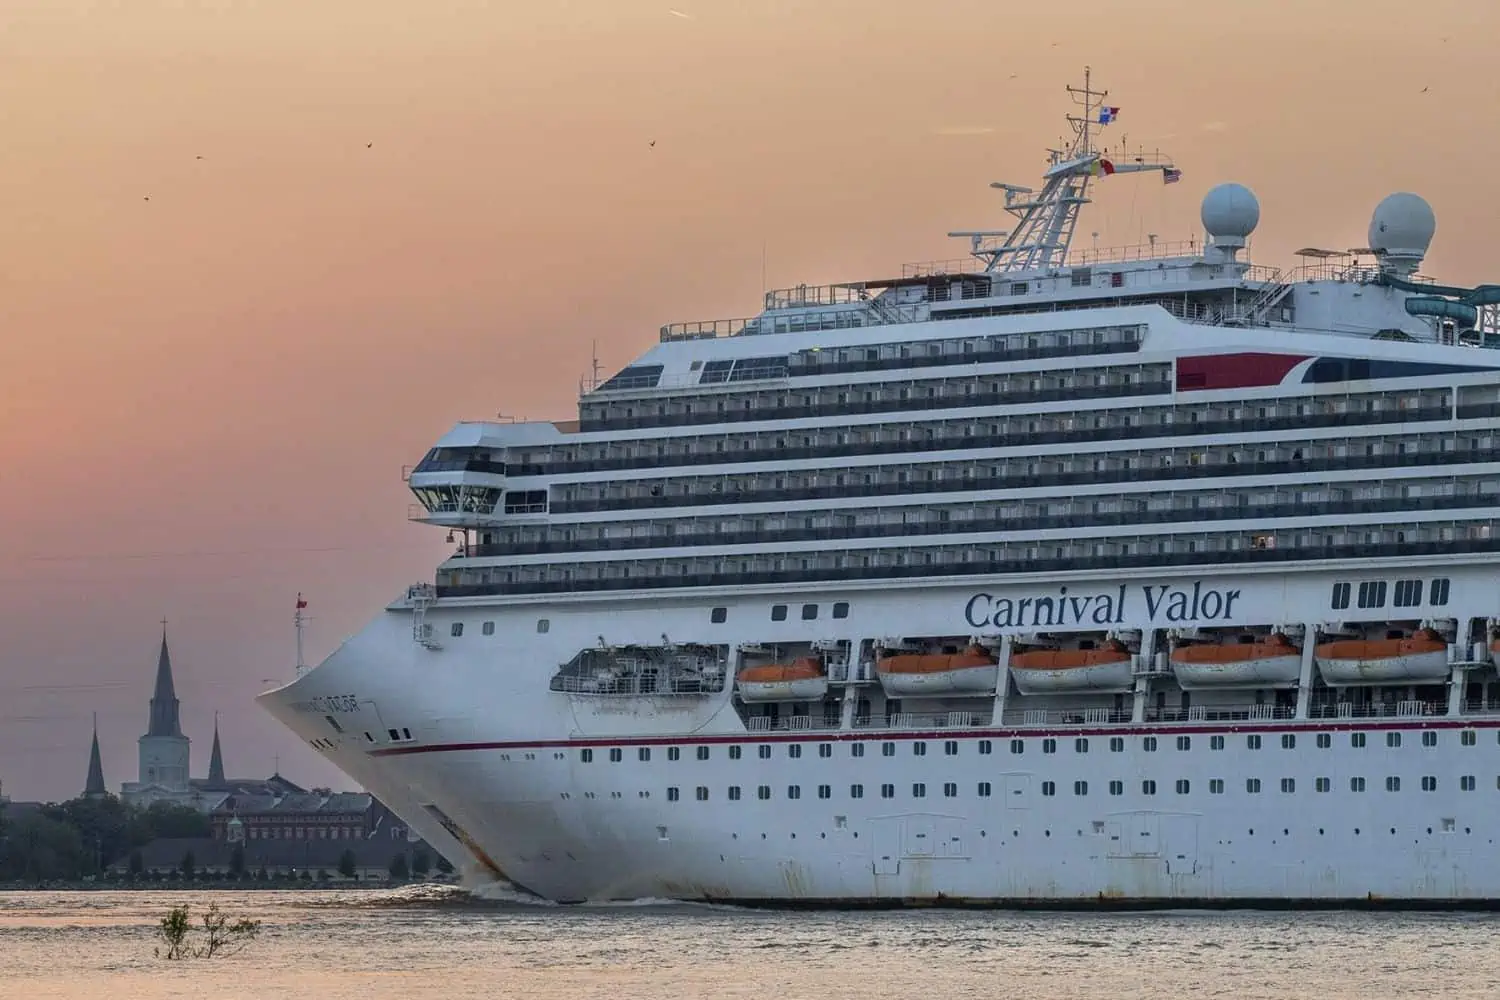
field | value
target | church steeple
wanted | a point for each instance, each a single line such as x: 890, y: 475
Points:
x: 94, y: 787
x: 164, y: 704
x: 216, y: 777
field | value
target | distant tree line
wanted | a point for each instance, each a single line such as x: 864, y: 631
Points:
x: 80, y: 838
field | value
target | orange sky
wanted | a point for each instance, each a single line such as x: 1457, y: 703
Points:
x: 206, y: 397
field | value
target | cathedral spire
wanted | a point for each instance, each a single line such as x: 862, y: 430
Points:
x: 94, y: 787
x: 216, y: 761
x: 164, y: 705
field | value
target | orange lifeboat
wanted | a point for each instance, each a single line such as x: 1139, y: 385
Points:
x: 1272, y: 661
x: 1422, y: 657
x: 801, y: 680
x: 918, y: 675
x: 1045, y: 671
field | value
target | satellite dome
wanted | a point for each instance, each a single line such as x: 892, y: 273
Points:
x: 1230, y: 213
x: 1402, y: 226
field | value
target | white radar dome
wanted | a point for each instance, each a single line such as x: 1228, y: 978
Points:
x: 1230, y: 213
x: 1402, y: 226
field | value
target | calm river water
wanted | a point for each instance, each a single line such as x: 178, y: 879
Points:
x: 428, y: 942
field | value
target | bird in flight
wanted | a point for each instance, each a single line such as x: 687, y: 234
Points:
x: 369, y: 144
x: 1424, y: 90
x: 653, y: 143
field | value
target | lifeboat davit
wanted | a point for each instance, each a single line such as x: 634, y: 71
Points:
x: 929, y: 675
x: 801, y: 680
x: 1046, y: 671
x: 1273, y: 661
x: 1423, y: 657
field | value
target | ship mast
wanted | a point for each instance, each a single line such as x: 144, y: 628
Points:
x: 1047, y: 219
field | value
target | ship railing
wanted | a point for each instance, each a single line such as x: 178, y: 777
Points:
x: 805, y: 296
x: 708, y: 329
x: 1377, y: 710
x: 681, y: 685
x: 1069, y: 717
x: 790, y: 724
x: 924, y: 720
x: 1481, y: 706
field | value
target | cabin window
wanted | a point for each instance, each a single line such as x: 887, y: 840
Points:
x: 701, y: 793
x: 456, y: 629
x: 918, y: 790
x: 1048, y: 788
x: 1252, y: 742
x: 856, y: 750
x: 986, y: 747
x: 792, y: 750
x: 794, y: 791
x: 809, y: 612
x: 1408, y: 593
x: 1340, y: 596
x: 1049, y: 746
x: 1467, y: 737
x: 841, y: 609
x: 1117, y: 744
x: 1393, y: 784
x: 950, y: 748
x: 1252, y: 785
x: 1288, y: 785
x: 672, y: 794
x: 825, y: 791
x: 1017, y: 746
x: 1466, y: 783
x: 763, y: 751
x: 616, y: 755
x: 888, y: 791
x: 718, y: 616
x: 644, y: 753
x: 1439, y: 592
x: 856, y: 791
x: 488, y: 628
x: 1081, y: 745
x: 1393, y: 739
x: 763, y: 792
x: 1117, y: 788
x: 1429, y: 739
x: 950, y: 790
x: 586, y: 756
x: 1356, y: 784
x: 825, y: 749
x: 984, y: 790
x: 778, y: 612
x: 1372, y: 594
x: 1183, y: 786
x: 734, y: 752
x: 1288, y: 741
x: 1216, y: 743
x: 1148, y: 744
x: 1356, y: 739
x: 1148, y: 787
x: 1184, y: 742
x: 1080, y: 788
x: 674, y: 753
x: 919, y: 749
x: 1325, y: 741
x: 887, y: 749
x: 542, y: 624
x: 1216, y: 786
x: 1323, y: 785
x: 703, y: 753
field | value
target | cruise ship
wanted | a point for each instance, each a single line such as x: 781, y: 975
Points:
x: 1043, y: 577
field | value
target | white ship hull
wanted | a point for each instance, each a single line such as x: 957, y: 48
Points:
x: 499, y: 758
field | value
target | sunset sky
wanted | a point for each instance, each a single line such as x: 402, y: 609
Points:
x: 256, y: 255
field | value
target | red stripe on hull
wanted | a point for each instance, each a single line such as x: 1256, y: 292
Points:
x: 907, y: 735
x: 1234, y: 371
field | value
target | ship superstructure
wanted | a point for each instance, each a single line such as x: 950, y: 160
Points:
x: 1041, y: 576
